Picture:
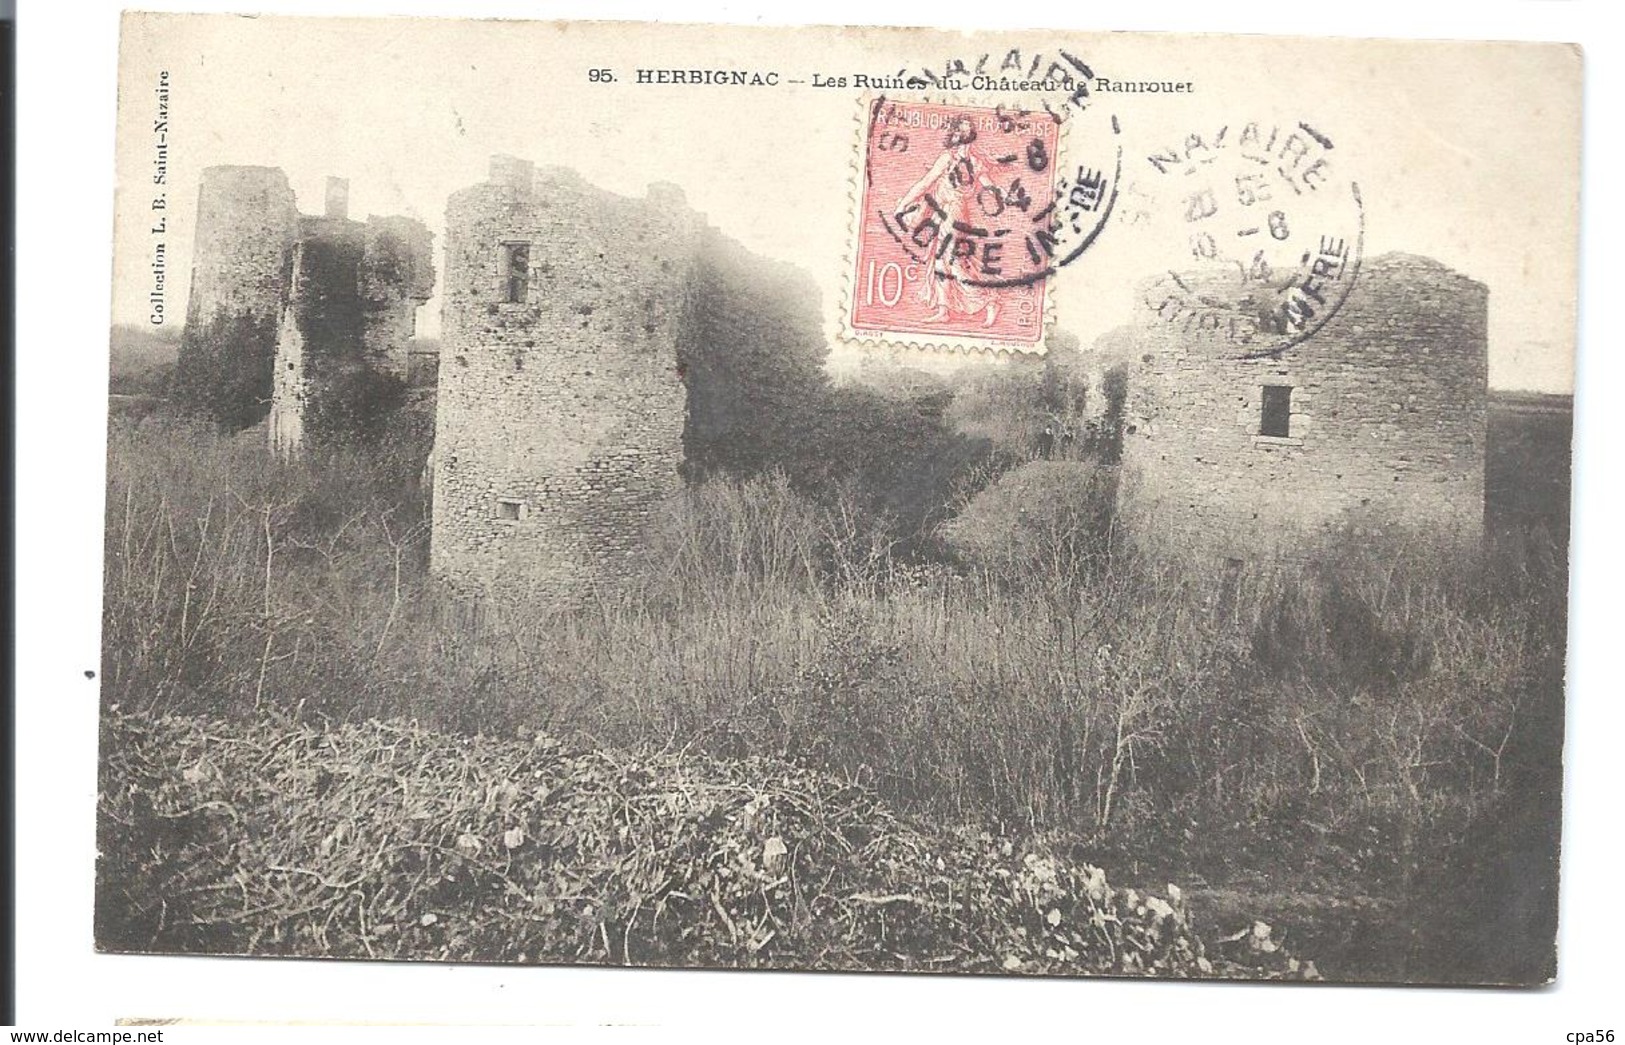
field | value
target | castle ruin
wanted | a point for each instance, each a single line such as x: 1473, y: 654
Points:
x: 596, y: 347
x: 301, y: 320
x: 575, y: 322
x: 1375, y: 421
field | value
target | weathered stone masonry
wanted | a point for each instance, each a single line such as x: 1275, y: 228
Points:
x: 297, y: 317
x: 241, y: 260
x: 574, y: 321
x: 1376, y: 420
x: 560, y: 411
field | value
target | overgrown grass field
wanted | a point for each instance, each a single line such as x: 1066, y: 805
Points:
x: 1361, y: 747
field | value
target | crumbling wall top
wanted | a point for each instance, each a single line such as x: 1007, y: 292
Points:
x: 337, y: 201
x: 514, y: 173
x: 400, y: 252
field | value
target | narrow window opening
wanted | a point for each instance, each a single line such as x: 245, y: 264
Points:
x: 1276, y: 416
x: 515, y: 273
x: 510, y: 511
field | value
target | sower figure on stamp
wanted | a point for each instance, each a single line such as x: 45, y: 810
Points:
x: 951, y: 188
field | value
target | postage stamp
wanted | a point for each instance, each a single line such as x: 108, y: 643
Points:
x: 964, y: 214
x: 1271, y: 233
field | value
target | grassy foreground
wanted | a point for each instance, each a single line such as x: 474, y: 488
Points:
x: 385, y: 840
x: 1363, y: 748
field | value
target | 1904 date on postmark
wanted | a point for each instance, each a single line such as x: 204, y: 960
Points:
x: 964, y: 212
x: 1273, y: 232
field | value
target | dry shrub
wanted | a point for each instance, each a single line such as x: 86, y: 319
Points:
x: 1048, y: 520
x: 1363, y: 713
x: 383, y: 840
x: 1030, y: 691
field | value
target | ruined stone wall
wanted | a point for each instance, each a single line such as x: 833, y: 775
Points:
x: 1387, y: 423
x: 306, y: 320
x: 318, y: 346
x: 396, y: 276
x: 559, y: 419
x: 346, y: 328
x: 246, y: 227
x: 290, y: 388
x: 752, y: 356
x: 423, y: 367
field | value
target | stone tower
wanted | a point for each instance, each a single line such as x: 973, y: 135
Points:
x: 351, y: 311
x: 302, y: 319
x: 561, y: 408
x: 241, y: 260
x: 1376, y: 421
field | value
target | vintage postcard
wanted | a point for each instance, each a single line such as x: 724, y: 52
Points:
x: 838, y: 499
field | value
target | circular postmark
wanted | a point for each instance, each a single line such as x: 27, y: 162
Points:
x: 1268, y: 234
x: 979, y: 180
x: 995, y: 196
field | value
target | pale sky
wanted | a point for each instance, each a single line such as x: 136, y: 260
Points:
x: 1468, y: 153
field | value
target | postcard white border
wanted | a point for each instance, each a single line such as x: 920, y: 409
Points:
x: 68, y: 57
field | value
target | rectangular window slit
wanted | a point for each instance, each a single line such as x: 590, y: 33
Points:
x: 510, y: 511
x: 515, y: 273
x: 1276, y: 417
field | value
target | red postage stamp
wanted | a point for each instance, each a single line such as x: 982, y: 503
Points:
x: 958, y: 228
